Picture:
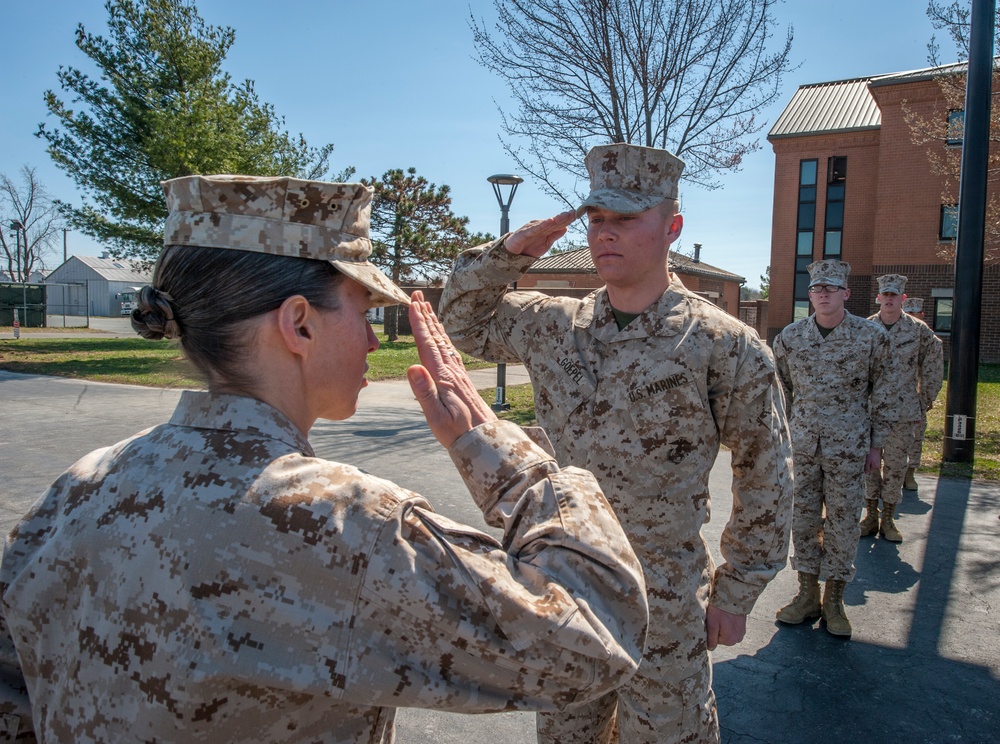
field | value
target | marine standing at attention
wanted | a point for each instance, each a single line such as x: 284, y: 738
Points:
x: 640, y: 382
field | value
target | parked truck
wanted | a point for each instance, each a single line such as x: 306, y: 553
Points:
x: 129, y: 300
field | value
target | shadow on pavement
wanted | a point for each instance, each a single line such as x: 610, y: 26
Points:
x: 935, y: 685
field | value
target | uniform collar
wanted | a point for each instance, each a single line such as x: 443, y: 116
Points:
x: 236, y: 413
x: 814, y: 326
x: 662, y: 318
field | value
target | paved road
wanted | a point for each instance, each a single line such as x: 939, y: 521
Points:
x: 924, y: 664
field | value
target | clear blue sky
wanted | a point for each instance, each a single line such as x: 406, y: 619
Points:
x: 393, y: 84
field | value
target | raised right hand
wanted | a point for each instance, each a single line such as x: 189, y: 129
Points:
x: 449, y: 400
x: 536, y: 237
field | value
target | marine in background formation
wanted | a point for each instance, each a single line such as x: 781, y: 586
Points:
x: 920, y: 373
x: 838, y: 375
x: 914, y: 307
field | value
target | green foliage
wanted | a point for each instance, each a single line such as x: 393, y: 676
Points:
x: 161, y: 108
x: 415, y: 235
x: 765, y: 284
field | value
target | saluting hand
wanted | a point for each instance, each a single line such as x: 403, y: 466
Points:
x: 449, y: 400
x: 537, y: 236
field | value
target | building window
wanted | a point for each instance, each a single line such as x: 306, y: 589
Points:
x: 956, y: 127
x: 805, y: 231
x: 942, y: 314
x: 836, y: 169
x: 949, y: 222
x: 836, y: 188
x: 800, y: 310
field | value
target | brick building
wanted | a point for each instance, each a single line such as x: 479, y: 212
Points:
x: 850, y: 183
x: 573, y: 273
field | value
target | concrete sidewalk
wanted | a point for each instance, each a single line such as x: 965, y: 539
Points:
x: 923, y: 666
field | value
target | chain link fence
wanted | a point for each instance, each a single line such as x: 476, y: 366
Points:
x: 44, y: 305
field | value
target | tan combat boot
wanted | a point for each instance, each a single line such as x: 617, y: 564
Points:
x: 806, y: 604
x: 869, y: 525
x: 833, y: 609
x: 909, y: 482
x: 888, y: 528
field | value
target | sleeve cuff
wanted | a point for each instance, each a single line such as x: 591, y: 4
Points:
x: 492, y: 456
x: 732, y: 595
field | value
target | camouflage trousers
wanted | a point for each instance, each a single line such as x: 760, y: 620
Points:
x: 645, y: 710
x: 886, y: 484
x: 917, y: 448
x: 829, y: 494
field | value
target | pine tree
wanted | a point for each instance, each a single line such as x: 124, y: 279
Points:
x: 161, y: 108
x: 415, y: 235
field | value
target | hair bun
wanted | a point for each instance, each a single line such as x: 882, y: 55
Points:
x: 153, y: 317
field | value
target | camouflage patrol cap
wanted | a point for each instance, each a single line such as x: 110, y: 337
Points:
x: 913, y: 305
x: 891, y: 284
x: 829, y: 271
x: 630, y: 178
x: 281, y: 216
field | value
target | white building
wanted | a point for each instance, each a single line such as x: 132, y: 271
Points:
x: 91, y: 285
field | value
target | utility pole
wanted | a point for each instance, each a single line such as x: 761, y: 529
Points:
x: 963, y: 370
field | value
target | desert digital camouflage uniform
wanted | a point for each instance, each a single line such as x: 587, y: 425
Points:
x: 285, y: 598
x: 645, y: 409
x: 839, y: 395
x: 915, y: 306
x: 919, y: 362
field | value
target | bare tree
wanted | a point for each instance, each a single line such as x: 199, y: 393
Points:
x: 954, y: 19
x: 942, y: 134
x: 29, y: 224
x: 689, y: 76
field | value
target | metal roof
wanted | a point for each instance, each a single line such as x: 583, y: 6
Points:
x: 842, y: 106
x: 118, y: 269
x: 580, y: 262
x: 845, y: 105
x: 916, y: 76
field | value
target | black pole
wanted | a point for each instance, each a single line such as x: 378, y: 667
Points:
x: 963, y: 370
x: 497, y: 181
x: 501, y: 404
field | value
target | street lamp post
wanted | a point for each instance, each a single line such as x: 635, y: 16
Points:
x: 17, y: 227
x: 500, y: 181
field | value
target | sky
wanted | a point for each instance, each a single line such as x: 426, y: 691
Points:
x: 395, y: 84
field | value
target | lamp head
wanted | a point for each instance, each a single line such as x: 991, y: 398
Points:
x: 505, y: 179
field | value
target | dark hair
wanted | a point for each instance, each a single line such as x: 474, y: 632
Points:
x: 203, y: 295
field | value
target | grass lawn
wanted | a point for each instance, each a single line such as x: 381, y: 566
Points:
x: 160, y: 364
x: 135, y: 361
x: 987, y: 446
x: 521, y: 400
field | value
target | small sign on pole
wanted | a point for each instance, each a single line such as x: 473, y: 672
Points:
x: 17, y: 326
x: 960, y: 426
